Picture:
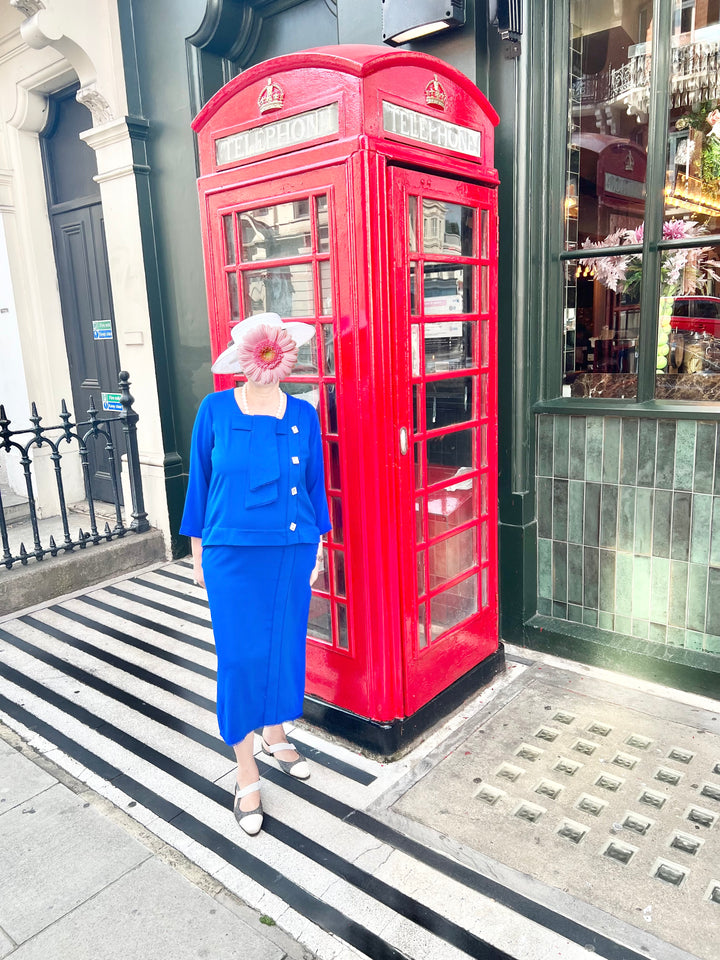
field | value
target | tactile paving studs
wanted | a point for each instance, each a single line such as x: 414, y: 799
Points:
x: 545, y: 733
x: 562, y: 717
x: 570, y: 830
x: 624, y: 760
x: 671, y: 777
x: 590, y: 804
x: 570, y: 767
x: 716, y: 769
x: 685, y: 843
x: 607, y: 782
x: 526, y: 752
x: 638, y: 741
x: 703, y: 818
x: 669, y: 872
x: 585, y: 747
x: 547, y: 788
x: 530, y: 812
x: 713, y: 892
x: 680, y: 755
x: 488, y: 794
x: 508, y: 772
x: 621, y: 852
x: 652, y: 799
x: 599, y: 729
x: 710, y: 791
x: 636, y: 823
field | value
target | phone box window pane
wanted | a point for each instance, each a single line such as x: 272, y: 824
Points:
x: 451, y: 507
x: 418, y: 465
x: 484, y: 399
x: 307, y: 361
x: 452, y: 556
x: 343, y: 641
x: 271, y: 233
x: 233, y: 297
x: 323, y: 579
x: 328, y: 336
x: 286, y: 290
x: 229, y: 235
x: 448, y: 402
x: 339, y: 572
x: 417, y: 400
x: 336, y: 518
x: 334, y: 464
x: 484, y: 342
x: 484, y: 234
x: 331, y: 400
x: 319, y: 621
x: 447, y: 228
x: 419, y: 511
x: 421, y: 573
x: 448, y: 345
x: 415, y: 349
x: 453, y: 450
x: 321, y: 222
x: 308, y: 391
x: 447, y: 288
x: 454, y: 605
x: 412, y: 224
x: 414, y: 293
x: 326, y: 299
x: 422, y: 630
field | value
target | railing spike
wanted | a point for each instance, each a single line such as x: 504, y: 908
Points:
x: 81, y: 538
x: 108, y: 531
x: 23, y: 555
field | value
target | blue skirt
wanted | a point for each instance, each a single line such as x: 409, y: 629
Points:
x: 259, y: 603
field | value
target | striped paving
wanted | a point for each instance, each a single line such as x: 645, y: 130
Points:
x: 117, y: 686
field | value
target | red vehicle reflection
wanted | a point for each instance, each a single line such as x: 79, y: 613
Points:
x: 696, y: 315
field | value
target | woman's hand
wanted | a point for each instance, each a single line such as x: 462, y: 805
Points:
x: 198, y: 576
x: 318, y: 564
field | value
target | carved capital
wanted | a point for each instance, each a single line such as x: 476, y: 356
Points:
x: 90, y: 97
x: 28, y: 7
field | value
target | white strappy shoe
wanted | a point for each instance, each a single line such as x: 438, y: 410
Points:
x: 249, y: 820
x: 300, y: 769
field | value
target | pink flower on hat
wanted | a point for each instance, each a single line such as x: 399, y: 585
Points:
x: 267, y: 354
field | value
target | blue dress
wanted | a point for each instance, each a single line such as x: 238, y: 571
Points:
x: 256, y: 498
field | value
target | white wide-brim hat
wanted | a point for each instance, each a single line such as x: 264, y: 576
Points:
x: 229, y: 360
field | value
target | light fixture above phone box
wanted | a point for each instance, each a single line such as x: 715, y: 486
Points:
x: 408, y: 20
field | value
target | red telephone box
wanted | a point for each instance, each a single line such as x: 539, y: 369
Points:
x: 353, y: 188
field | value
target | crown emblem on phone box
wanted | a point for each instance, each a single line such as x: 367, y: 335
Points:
x: 435, y: 96
x: 272, y: 97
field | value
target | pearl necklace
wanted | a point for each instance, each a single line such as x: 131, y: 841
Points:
x: 246, y: 409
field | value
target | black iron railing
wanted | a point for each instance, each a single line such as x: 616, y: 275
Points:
x: 67, y: 432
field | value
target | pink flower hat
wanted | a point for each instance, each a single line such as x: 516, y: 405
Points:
x: 264, y: 347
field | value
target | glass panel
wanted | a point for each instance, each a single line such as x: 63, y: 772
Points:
x: 421, y: 573
x: 451, y: 556
x: 307, y: 361
x: 451, y: 507
x: 448, y: 401
x: 339, y: 572
x: 285, y: 290
x: 484, y: 289
x: 484, y: 343
x: 328, y: 335
x: 608, y: 119
x: 229, y: 235
x: 688, y: 358
x: 331, y: 399
x: 233, y: 295
x: 415, y: 347
x: 323, y: 580
x: 484, y: 405
x: 326, y: 299
x: 334, y: 464
x: 319, y: 624
x: 321, y: 222
x: 447, y: 453
x: 453, y: 606
x: 485, y: 590
x: 336, y: 518
x: 484, y: 233
x: 414, y: 296
x: 484, y: 543
x: 447, y: 228
x: 412, y: 223
x: 417, y: 400
x: 448, y: 345
x: 483, y: 445
x: 269, y: 233
x: 308, y: 391
x: 343, y: 641
x: 418, y: 465
x: 484, y: 495
x: 601, y: 326
x: 419, y: 533
x: 422, y: 631
x: 447, y: 288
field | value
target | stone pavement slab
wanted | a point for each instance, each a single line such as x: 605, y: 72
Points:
x: 20, y: 779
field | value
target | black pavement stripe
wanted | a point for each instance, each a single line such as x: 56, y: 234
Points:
x: 199, y: 601
x: 171, y: 632
x: 126, y: 666
x: 163, y: 608
x: 326, y: 917
x: 128, y: 640
x: 171, y: 575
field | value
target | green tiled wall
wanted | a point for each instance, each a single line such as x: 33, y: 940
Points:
x: 628, y: 514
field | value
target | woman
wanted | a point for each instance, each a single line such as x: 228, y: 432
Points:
x: 255, y: 512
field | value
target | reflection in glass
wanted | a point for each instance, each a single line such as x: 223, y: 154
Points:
x: 422, y: 630
x: 321, y: 221
x: 308, y: 391
x: 447, y: 288
x: 418, y: 451
x: 412, y: 223
x: 319, y: 623
x: 343, y: 641
x: 336, y: 518
x: 448, y: 345
x: 447, y: 228
x: 484, y: 289
x: 229, y: 238
x: 285, y: 290
x: 451, y: 507
x: 484, y: 234
x: 421, y: 573
x: 414, y: 296
x: 331, y: 400
x: 233, y: 296
x: 484, y: 498
x: 325, y: 288
x: 417, y: 400
x: 415, y: 348
x: 484, y: 589
x: 339, y: 572
x: 453, y: 606
x: 334, y: 464
x: 484, y: 342
x: 307, y: 361
x: 419, y: 533
x: 328, y: 335
x: 451, y: 556
x: 282, y: 230
x: 323, y: 579
x: 484, y: 396
x: 448, y: 401
x: 451, y: 450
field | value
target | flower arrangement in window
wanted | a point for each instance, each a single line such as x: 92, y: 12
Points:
x: 685, y: 271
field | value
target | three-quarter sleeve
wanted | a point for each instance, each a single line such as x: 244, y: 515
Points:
x: 315, y: 477
x: 201, y: 446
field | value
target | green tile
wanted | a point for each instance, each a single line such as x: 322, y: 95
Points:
x: 623, y: 583
x: 559, y: 610
x: 644, y: 499
x: 662, y: 518
x: 626, y: 519
x: 715, y: 531
x: 590, y: 617
x: 657, y: 632
x: 559, y: 568
x: 608, y: 516
x: 680, y: 540
x: 712, y: 623
x: 545, y: 446
x: 659, y: 588
x: 544, y: 606
x: 665, y: 461
x: 576, y: 469
x: 544, y: 507
x: 591, y: 566
x: 561, y: 447
x: 676, y: 636
x: 545, y: 568
x: 677, y: 606
x: 684, y: 454
x: 623, y: 625
x: 574, y: 613
x: 592, y: 514
x: 697, y: 596
x: 611, y: 450
x: 606, y: 621
x: 712, y: 643
x: 700, y: 528
x: 560, y: 510
x: 704, y: 458
x: 629, y: 450
x: 576, y: 508
x: 716, y: 480
x: 575, y: 574
x: 641, y: 588
x: 640, y: 629
x: 694, y: 640
x: 606, y: 590
x: 647, y: 440
x: 593, y: 448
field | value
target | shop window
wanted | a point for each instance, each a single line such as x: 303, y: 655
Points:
x: 638, y: 280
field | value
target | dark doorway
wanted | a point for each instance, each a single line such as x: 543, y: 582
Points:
x: 76, y: 218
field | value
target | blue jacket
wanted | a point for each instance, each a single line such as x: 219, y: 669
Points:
x: 255, y: 480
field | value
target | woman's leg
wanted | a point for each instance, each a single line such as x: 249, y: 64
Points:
x: 247, y: 771
x: 276, y: 734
